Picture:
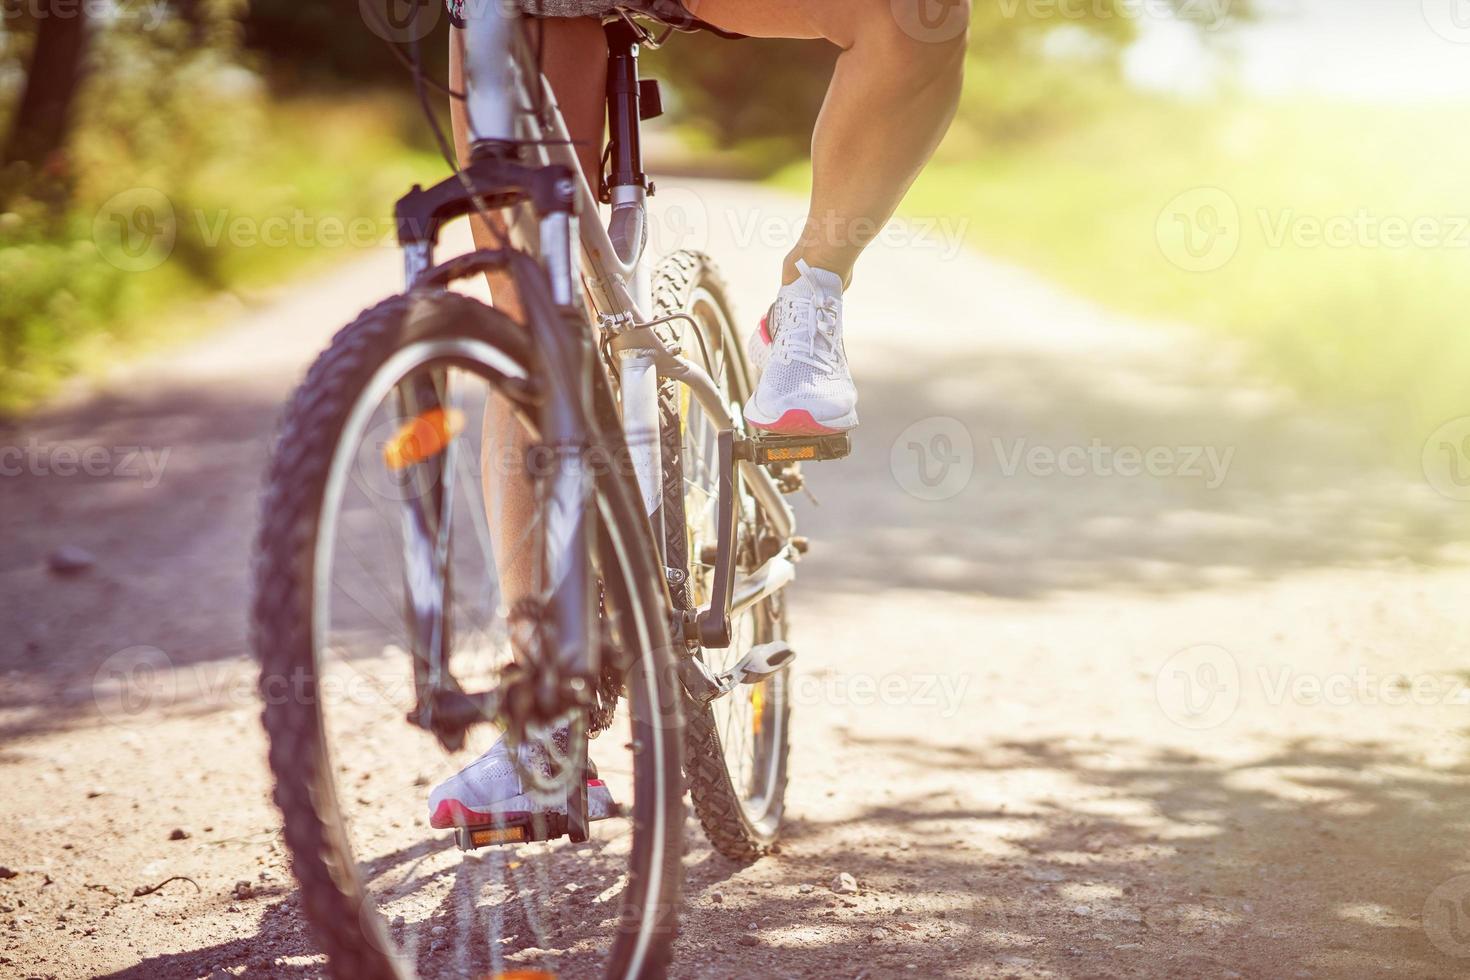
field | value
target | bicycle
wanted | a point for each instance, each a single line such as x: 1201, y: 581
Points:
x: 642, y: 578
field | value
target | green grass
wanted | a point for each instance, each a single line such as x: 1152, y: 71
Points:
x: 1366, y: 321
x: 300, y: 184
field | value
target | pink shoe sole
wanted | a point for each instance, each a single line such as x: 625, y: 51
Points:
x: 796, y: 422
x: 452, y: 813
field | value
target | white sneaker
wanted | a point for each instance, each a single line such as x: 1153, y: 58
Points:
x: 489, y: 791
x: 805, y: 387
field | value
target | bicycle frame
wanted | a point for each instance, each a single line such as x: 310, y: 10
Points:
x: 522, y: 154
x: 611, y: 257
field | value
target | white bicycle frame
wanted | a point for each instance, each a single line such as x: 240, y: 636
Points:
x: 500, y: 70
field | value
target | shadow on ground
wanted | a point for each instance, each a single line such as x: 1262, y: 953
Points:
x: 1063, y: 886
x: 1252, y: 487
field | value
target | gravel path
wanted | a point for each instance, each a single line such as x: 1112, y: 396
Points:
x: 1114, y: 661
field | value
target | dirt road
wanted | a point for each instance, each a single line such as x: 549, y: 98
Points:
x: 1113, y: 661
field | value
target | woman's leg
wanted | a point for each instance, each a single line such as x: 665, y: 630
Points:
x: 574, y: 56
x: 891, y: 99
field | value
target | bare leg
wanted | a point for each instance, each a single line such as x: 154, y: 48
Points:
x: 892, y: 97
x: 574, y: 58
x: 575, y: 61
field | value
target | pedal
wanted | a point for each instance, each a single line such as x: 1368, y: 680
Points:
x: 520, y: 829
x: 526, y: 828
x: 775, y: 450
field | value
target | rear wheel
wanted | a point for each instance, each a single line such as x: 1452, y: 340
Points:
x: 737, y: 747
x: 337, y: 624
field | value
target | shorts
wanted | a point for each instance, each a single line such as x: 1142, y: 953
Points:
x: 670, y: 12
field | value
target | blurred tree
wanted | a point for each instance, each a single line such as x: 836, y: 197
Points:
x: 765, y: 95
x: 762, y: 95
x: 322, y: 45
x: 36, y: 144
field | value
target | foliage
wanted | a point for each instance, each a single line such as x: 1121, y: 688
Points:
x: 175, y: 138
x: 764, y: 94
x: 315, y: 46
x: 1328, y: 285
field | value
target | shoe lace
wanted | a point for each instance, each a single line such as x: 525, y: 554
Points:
x: 819, y: 346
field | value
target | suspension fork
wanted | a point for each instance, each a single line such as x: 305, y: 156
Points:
x: 626, y: 190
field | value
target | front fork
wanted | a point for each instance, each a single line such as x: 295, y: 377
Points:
x: 566, y: 650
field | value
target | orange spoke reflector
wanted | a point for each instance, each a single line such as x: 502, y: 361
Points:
x: 422, y: 437
x: 525, y: 975
x: 757, y: 703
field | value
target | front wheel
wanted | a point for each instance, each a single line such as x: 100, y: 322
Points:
x: 737, y: 747
x: 391, y: 514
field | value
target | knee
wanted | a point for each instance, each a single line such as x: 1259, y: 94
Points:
x: 920, y: 40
